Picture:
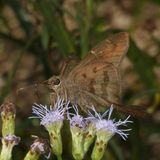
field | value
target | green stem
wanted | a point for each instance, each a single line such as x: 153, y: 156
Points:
x: 136, y: 142
x: 6, y: 152
x: 59, y: 157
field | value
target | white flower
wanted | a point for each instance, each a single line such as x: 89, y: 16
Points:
x: 51, y: 114
x: 109, y: 124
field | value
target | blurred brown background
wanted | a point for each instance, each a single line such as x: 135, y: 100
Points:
x: 36, y: 36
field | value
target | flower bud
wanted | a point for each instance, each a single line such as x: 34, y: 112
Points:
x: 40, y: 146
x: 52, y: 120
x: 8, y: 114
x: 77, y: 128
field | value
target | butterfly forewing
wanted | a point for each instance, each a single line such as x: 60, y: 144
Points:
x: 99, y: 82
x: 96, y: 78
x: 111, y: 50
x: 68, y: 64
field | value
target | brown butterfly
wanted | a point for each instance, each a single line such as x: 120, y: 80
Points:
x: 95, y: 80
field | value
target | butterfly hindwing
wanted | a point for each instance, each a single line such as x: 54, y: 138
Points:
x: 99, y: 79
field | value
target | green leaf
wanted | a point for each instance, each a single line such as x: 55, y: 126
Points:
x: 84, y: 19
x: 56, y: 27
x: 45, y: 37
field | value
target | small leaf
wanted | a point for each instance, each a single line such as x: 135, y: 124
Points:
x: 45, y: 37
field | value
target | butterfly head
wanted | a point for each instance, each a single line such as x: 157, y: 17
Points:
x: 53, y: 83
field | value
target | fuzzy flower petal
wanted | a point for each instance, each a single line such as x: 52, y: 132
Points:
x: 76, y: 119
x: 109, y: 124
x: 50, y: 115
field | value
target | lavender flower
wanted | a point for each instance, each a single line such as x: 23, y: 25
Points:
x: 51, y: 115
x: 77, y: 127
x: 76, y: 120
x: 109, y: 125
x: 52, y: 119
x: 105, y: 129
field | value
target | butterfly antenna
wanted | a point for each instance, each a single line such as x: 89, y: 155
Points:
x: 19, y: 90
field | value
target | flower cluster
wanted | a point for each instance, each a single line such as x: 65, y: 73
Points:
x: 83, y: 130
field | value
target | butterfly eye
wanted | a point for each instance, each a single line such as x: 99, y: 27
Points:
x: 56, y: 81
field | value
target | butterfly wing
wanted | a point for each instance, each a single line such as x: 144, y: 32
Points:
x: 68, y: 64
x: 95, y: 80
x: 111, y: 50
x: 97, y: 85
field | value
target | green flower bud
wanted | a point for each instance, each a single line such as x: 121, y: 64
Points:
x: 77, y: 128
x: 105, y: 129
x: 8, y: 114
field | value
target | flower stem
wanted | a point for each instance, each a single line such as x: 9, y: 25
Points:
x: 8, y: 143
x: 6, y: 152
x: 59, y: 157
